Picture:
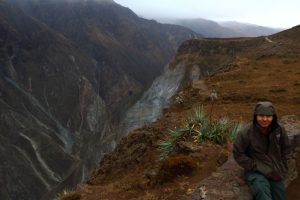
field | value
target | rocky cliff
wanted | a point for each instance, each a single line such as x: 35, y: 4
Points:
x: 125, y: 47
x: 68, y: 70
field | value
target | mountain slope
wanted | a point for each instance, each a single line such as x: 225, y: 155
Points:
x: 40, y: 84
x: 212, y: 29
x: 64, y: 81
x: 241, y: 72
x: 121, y: 42
x: 250, y: 30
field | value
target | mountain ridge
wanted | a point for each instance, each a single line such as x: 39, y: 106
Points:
x: 225, y: 29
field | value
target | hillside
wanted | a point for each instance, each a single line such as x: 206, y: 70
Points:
x: 124, y: 46
x: 241, y: 72
x: 226, y: 29
x: 251, y: 30
x: 68, y: 70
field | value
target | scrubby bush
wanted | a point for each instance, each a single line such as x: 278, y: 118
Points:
x: 200, y: 129
x: 167, y: 146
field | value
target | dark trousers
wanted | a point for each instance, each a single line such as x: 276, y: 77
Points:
x: 264, y: 189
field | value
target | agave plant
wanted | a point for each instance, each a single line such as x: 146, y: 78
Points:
x: 200, y: 129
x: 234, y: 131
x: 166, y: 146
x: 218, y: 131
x: 197, y: 118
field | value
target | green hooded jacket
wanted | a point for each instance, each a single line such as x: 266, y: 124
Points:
x: 265, y: 154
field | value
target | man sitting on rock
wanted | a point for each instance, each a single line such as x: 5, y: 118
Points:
x: 262, y: 148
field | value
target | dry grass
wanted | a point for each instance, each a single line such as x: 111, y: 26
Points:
x: 148, y: 196
x: 69, y: 195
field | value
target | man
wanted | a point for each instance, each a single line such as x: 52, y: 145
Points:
x: 262, y: 148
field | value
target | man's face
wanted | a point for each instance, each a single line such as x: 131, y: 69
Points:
x: 264, y: 120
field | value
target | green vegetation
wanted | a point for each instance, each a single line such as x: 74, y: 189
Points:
x: 200, y: 129
x: 167, y: 146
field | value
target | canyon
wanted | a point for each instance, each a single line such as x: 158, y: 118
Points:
x: 88, y: 88
x: 69, y: 71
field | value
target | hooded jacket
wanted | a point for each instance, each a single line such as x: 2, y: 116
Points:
x: 263, y: 153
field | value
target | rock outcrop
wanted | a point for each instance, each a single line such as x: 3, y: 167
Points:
x: 150, y: 106
x: 227, y: 182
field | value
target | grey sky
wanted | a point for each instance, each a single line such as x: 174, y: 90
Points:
x: 272, y: 13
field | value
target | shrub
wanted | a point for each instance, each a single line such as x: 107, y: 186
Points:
x: 199, y: 129
x: 166, y: 147
x: 234, y: 131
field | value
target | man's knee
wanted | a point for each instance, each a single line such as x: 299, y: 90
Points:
x: 278, y: 190
x: 259, y: 185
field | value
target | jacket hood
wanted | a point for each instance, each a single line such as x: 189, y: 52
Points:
x: 264, y: 108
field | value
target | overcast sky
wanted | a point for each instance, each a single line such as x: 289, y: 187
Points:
x: 272, y: 13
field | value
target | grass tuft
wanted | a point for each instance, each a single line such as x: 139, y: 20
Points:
x: 69, y: 195
x: 200, y: 129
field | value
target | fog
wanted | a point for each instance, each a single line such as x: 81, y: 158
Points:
x: 271, y: 13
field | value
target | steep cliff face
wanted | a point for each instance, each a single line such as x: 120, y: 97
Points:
x: 49, y: 106
x: 150, y: 106
x: 67, y: 71
x: 130, y: 51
